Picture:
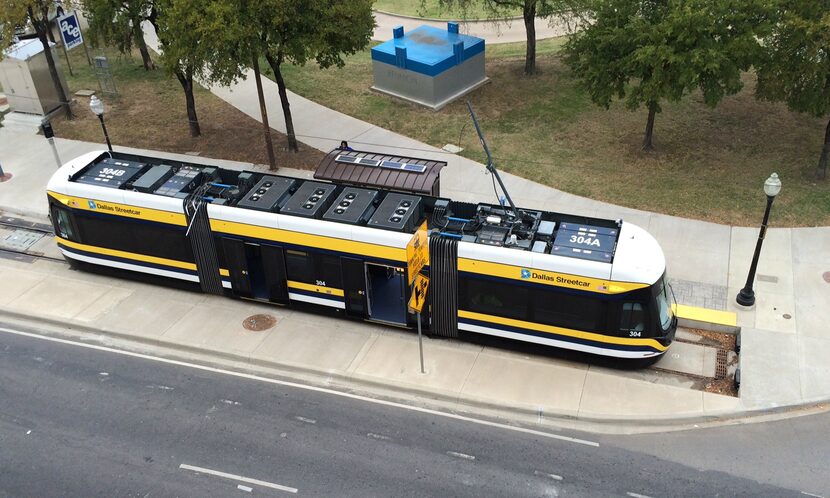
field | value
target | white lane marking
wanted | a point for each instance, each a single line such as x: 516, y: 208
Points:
x: 235, y: 477
x: 461, y: 455
x: 230, y: 402
x: 244, y: 488
x: 28, y: 432
x: 811, y: 494
x: 163, y: 388
x: 637, y: 495
x: 295, y: 385
x: 545, y: 474
x: 306, y: 420
x: 104, y: 374
x: 378, y: 436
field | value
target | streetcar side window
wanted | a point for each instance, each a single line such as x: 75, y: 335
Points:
x: 494, y: 298
x: 329, y: 271
x: 569, y: 311
x: 632, y: 319
x: 149, y: 239
x: 298, y: 266
x: 63, y: 224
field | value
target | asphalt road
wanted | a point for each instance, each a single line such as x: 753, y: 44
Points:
x: 82, y: 422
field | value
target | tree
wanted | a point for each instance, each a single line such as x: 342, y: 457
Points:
x: 531, y: 9
x: 118, y: 22
x: 795, y: 68
x: 649, y: 51
x: 20, y: 12
x: 298, y: 31
x: 177, y: 24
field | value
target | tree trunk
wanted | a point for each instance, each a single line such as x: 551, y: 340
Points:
x: 286, y: 107
x: 529, y: 14
x: 186, y: 80
x: 41, y: 27
x: 138, y: 35
x: 648, y: 146
x: 821, y: 171
x: 266, y: 129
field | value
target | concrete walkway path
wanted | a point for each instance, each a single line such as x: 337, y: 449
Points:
x: 507, y: 31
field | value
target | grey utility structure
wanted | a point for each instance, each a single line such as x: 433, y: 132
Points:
x: 25, y: 78
x: 429, y: 66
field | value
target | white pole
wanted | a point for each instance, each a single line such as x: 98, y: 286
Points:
x: 55, y: 152
x: 420, y: 343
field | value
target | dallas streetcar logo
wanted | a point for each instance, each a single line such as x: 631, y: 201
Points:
x: 525, y: 273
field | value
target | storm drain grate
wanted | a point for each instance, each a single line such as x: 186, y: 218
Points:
x: 720, y: 364
x: 258, y: 323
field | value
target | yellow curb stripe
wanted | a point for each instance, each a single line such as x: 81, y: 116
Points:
x: 706, y: 315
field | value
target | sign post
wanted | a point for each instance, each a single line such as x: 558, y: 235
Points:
x: 417, y: 256
x: 416, y: 304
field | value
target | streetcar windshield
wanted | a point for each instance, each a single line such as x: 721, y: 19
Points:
x: 664, y: 305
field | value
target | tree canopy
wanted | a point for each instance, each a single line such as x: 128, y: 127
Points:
x: 650, y: 51
x: 531, y: 10
x: 118, y: 23
x: 795, y: 68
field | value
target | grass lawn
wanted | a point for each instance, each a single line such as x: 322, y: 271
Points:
x: 150, y: 113
x: 710, y: 164
x: 432, y: 9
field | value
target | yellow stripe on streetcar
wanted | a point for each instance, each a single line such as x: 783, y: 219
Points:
x: 315, y: 288
x: 127, y: 255
x: 538, y: 327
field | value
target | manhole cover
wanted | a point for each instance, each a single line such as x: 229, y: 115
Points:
x: 827, y: 276
x: 259, y: 322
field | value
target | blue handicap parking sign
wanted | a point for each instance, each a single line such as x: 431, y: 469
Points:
x: 70, y: 30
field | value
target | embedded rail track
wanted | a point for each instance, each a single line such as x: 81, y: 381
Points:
x: 20, y: 239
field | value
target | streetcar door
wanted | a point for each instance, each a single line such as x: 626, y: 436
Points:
x: 273, y: 266
x: 386, y: 293
x: 354, y: 286
x: 237, y: 263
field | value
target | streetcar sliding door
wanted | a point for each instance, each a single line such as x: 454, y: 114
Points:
x: 256, y: 271
x: 354, y: 286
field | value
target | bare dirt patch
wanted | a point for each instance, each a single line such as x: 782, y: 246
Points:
x: 150, y: 113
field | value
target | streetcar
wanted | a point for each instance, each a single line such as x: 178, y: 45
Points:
x: 544, y: 278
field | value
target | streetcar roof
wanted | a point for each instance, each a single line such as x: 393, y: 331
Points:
x: 555, y: 242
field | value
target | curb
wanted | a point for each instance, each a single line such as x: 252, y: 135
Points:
x: 404, y: 394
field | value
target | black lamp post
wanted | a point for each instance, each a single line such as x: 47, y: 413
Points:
x: 96, y: 106
x: 771, y: 187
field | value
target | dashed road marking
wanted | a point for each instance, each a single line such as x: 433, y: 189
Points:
x: 230, y: 402
x: 378, y: 436
x: 295, y: 385
x: 306, y: 420
x: 811, y: 494
x: 202, y: 470
x: 545, y: 474
x: 244, y: 488
x: 637, y: 495
x: 461, y: 455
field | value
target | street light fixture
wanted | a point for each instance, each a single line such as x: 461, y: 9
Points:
x: 97, y: 107
x: 746, y: 297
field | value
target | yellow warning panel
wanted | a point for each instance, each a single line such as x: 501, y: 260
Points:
x: 419, y: 294
x: 417, y: 251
